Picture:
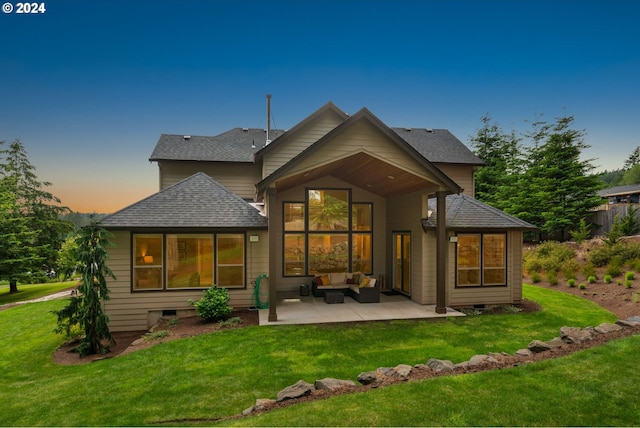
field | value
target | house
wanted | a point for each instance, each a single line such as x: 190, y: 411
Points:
x: 629, y: 194
x: 335, y: 193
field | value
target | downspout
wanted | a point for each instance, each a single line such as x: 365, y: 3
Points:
x: 442, y: 253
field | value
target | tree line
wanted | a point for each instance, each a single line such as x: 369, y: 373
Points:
x: 539, y: 175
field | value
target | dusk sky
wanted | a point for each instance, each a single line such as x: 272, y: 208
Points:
x: 89, y: 86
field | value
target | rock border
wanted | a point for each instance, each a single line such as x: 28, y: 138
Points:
x: 575, y: 338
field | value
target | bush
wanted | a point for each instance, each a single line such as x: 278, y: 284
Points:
x: 571, y: 283
x: 634, y: 265
x: 629, y: 276
x: 552, y: 277
x: 591, y: 279
x: 607, y: 279
x: 548, y: 256
x: 589, y: 270
x: 600, y: 256
x: 582, y: 286
x: 535, y: 277
x: 570, y: 268
x: 628, y: 283
x: 214, y: 304
x: 581, y: 233
x: 614, y: 269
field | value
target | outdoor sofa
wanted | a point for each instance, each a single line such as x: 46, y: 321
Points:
x: 359, y: 287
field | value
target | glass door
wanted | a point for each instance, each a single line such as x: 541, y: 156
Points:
x: 402, y: 262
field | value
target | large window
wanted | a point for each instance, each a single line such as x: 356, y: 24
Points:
x: 186, y: 261
x: 327, y: 233
x: 482, y: 260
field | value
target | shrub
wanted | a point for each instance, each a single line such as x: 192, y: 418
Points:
x: 634, y: 265
x: 571, y: 282
x: 628, y: 283
x: 552, y: 277
x: 582, y: 232
x: 214, y: 304
x: 600, y: 256
x: 535, y: 277
x: 619, y: 282
x: 570, y: 268
x: 614, y: 269
x: 629, y: 276
x: 589, y: 270
x: 591, y: 279
x: 607, y: 279
x: 582, y: 286
x: 548, y: 256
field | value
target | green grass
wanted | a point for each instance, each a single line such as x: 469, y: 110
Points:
x: 220, y: 374
x: 32, y: 291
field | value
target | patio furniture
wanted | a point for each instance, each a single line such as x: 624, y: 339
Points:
x: 343, y: 282
x: 334, y: 296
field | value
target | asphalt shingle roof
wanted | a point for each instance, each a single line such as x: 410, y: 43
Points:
x: 438, y: 145
x: 195, y: 202
x: 620, y: 190
x: 235, y: 145
x: 465, y: 212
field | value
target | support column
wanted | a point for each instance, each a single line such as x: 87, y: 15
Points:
x: 273, y: 212
x: 442, y: 253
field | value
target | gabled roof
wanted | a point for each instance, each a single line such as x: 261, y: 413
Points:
x: 465, y: 212
x: 438, y: 145
x: 363, y: 114
x: 195, y: 202
x: 327, y: 108
x: 620, y: 190
x: 236, y: 145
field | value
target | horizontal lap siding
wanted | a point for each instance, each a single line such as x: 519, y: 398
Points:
x: 297, y: 143
x: 461, y: 174
x: 238, y: 178
x: 129, y: 311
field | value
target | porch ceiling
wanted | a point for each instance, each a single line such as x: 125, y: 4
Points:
x: 364, y: 171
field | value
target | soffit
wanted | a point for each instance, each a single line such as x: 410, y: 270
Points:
x: 364, y: 171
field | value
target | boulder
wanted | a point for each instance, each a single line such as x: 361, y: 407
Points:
x: 367, y: 378
x: 627, y: 323
x: 606, y: 327
x: 402, y: 370
x: 261, y: 403
x: 331, y: 383
x: 478, y: 359
x: 440, y: 366
x: 523, y: 353
x: 297, y: 390
x: 556, y: 342
x: 576, y: 334
x: 538, y: 346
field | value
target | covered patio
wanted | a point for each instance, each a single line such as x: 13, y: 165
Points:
x: 314, y: 310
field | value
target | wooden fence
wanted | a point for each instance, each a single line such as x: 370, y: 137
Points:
x: 603, y: 219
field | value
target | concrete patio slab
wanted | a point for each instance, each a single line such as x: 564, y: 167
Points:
x: 314, y: 310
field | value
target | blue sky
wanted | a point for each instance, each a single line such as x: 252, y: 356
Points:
x: 88, y: 86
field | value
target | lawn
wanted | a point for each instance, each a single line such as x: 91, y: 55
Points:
x: 220, y: 374
x: 32, y: 291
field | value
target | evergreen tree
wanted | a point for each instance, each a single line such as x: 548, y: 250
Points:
x: 40, y: 209
x: 631, y: 176
x: 500, y: 153
x: 559, y: 186
x: 633, y: 159
x: 85, y: 310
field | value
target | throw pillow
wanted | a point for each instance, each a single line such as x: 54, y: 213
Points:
x: 326, y: 280
x: 364, y: 282
x: 350, y: 281
x: 356, y: 278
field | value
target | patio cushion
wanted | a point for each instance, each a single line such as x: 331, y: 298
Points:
x: 372, y: 282
x: 326, y: 280
x: 338, y: 277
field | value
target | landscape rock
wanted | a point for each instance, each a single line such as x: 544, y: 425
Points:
x: 538, y: 346
x: 555, y: 342
x: 606, y: 327
x: 367, y: 378
x: 440, y: 366
x: 576, y: 334
x: 627, y: 323
x: 386, y: 371
x: 261, y: 403
x: 297, y: 390
x: 634, y: 319
x: 523, y: 353
x: 402, y: 370
x: 331, y: 383
x: 478, y: 359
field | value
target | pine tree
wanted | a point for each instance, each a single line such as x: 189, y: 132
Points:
x: 85, y: 310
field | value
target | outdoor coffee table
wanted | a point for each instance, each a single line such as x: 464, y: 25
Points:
x: 333, y: 297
